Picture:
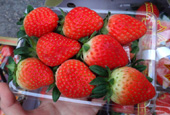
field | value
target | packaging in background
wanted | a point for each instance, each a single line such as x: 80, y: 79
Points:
x: 5, y: 52
x: 163, y: 26
x: 163, y: 38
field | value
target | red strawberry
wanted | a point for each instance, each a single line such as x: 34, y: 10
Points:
x: 53, y: 49
x: 163, y: 104
x: 147, y: 7
x: 7, y: 50
x: 130, y: 87
x: 81, y: 22
x: 125, y: 28
x: 40, y: 21
x: 104, y: 50
x: 32, y: 74
x: 73, y: 78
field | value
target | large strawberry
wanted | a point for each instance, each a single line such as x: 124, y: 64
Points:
x: 81, y: 22
x: 104, y: 50
x: 125, y: 86
x: 130, y: 87
x: 124, y: 28
x: 32, y: 74
x: 40, y: 21
x: 53, y: 49
x: 73, y: 78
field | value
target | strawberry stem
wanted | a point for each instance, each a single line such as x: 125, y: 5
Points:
x: 55, y: 94
x: 103, y: 29
x: 50, y: 87
x: 79, y: 53
x: 103, y: 85
x: 87, y: 38
x: 63, y: 13
x: 59, y: 29
x: 86, y: 47
x: 12, y: 66
x: 21, y: 31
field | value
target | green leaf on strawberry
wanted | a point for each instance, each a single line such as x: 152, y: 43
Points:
x: 28, y: 48
x: 141, y: 68
x: 87, y: 38
x: 20, y: 22
x: 149, y: 78
x: 61, y: 17
x: 25, y: 50
x: 84, y: 39
x: 11, y: 64
x: 12, y: 70
x: 99, y: 81
x: 50, y: 87
x: 29, y: 8
x: 103, y: 29
x: 99, y: 70
x: 21, y: 31
x: 135, y: 47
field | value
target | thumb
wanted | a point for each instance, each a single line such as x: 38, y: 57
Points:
x: 8, y: 102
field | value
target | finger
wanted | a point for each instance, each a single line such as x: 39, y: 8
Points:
x: 8, y: 102
x: 45, y: 109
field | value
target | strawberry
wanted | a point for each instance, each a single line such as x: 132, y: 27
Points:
x: 124, y: 28
x: 147, y: 7
x: 130, y: 87
x: 104, y: 50
x: 53, y: 49
x: 73, y: 78
x: 163, y: 104
x: 125, y: 86
x: 7, y: 50
x: 40, y: 21
x: 81, y: 22
x: 32, y: 74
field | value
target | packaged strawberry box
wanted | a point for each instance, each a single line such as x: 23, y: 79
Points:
x: 87, y: 57
x: 163, y: 36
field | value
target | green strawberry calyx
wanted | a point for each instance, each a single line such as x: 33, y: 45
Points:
x: 61, y: 17
x: 136, y: 63
x: 103, y: 84
x: 28, y: 49
x: 12, y: 66
x: 104, y: 29
x: 21, y: 31
x: 55, y: 92
x: 85, y: 46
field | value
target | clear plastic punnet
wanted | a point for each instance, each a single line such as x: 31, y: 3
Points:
x: 147, y: 51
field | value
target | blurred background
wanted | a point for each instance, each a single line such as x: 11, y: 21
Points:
x: 10, y: 13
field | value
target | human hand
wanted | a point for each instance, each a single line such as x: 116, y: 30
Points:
x: 10, y: 106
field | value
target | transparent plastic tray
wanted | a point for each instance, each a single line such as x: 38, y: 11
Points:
x: 147, y: 52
